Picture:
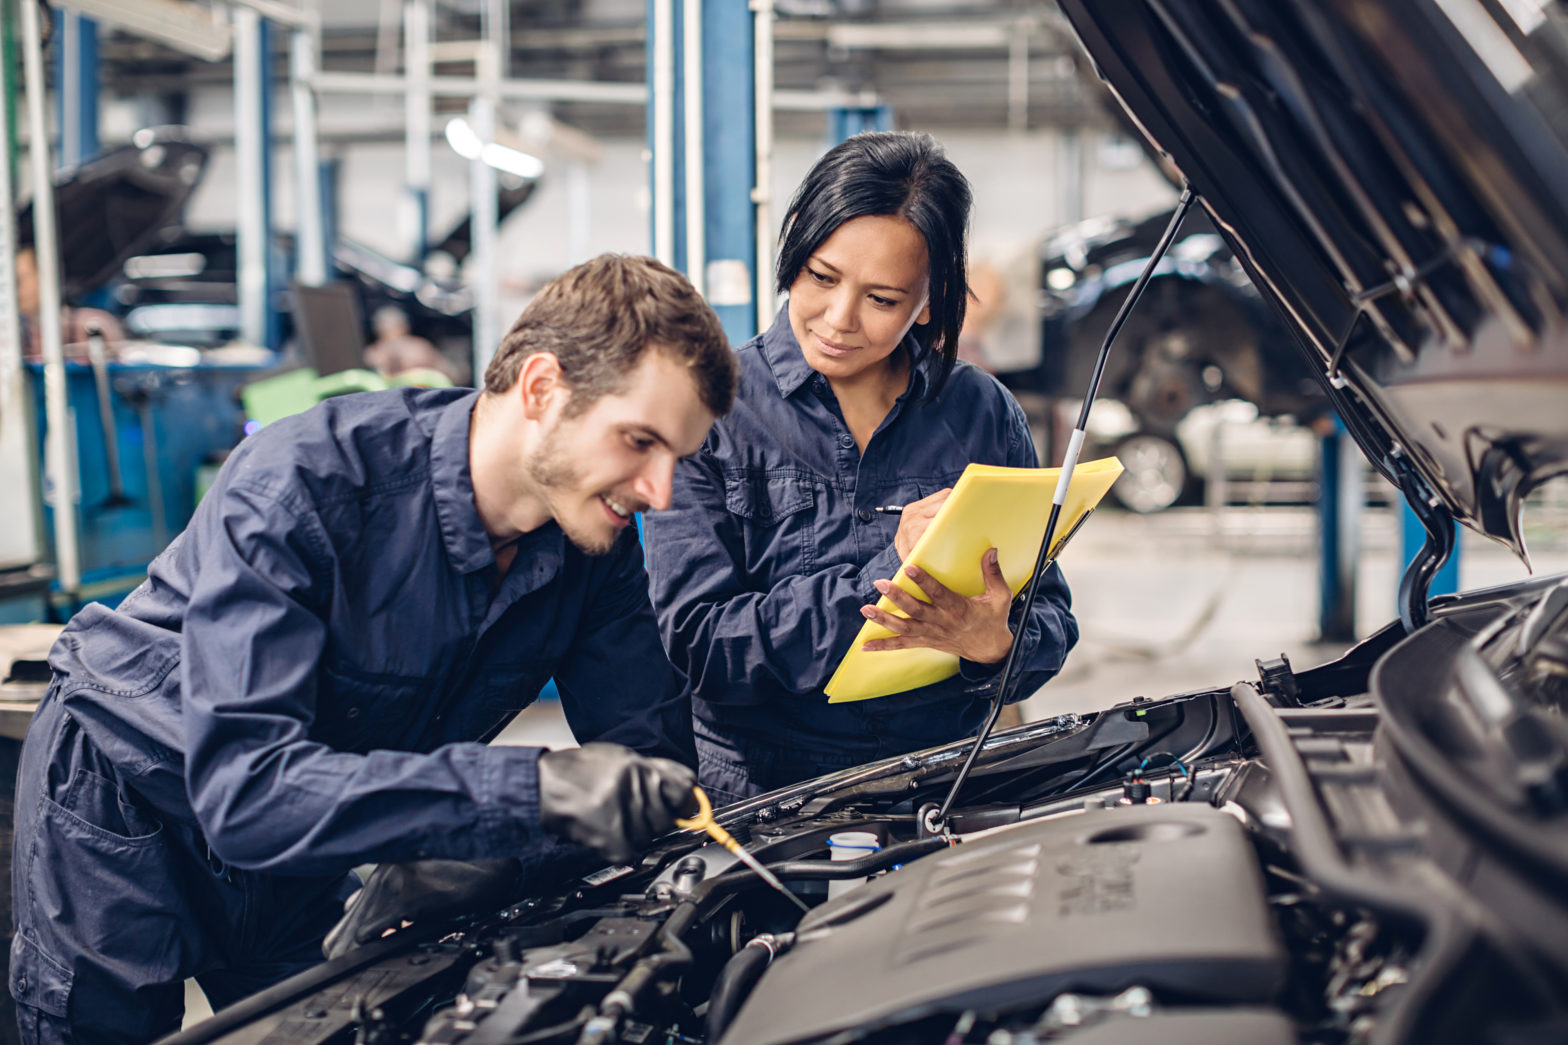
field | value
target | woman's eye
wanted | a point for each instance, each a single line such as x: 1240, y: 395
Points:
x: 884, y: 302
x: 639, y: 442
x: 820, y: 277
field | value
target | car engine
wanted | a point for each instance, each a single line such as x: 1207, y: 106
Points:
x: 1373, y: 850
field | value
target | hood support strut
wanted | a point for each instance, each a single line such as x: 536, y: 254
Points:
x: 1435, y: 550
x: 933, y: 819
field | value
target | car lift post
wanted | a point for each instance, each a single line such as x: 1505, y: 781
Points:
x: 1341, y: 503
x: 76, y: 73
x: 703, y: 137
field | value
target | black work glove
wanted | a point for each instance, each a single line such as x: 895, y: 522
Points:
x: 420, y: 890
x: 611, y: 799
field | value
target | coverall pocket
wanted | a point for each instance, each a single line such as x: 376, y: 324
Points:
x: 355, y: 709
x: 780, y: 521
x: 37, y: 980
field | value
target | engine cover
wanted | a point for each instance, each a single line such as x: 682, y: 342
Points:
x: 1167, y: 896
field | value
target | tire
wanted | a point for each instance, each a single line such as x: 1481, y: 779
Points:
x: 1155, y: 476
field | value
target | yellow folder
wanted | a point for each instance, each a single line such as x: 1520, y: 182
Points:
x: 990, y: 507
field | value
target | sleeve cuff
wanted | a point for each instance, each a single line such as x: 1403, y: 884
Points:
x: 882, y: 567
x: 509, y: 809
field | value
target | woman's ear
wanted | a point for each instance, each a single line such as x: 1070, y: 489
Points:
x: 924, y: 316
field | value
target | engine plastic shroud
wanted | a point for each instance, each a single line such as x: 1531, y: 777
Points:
x: 1167, y: 896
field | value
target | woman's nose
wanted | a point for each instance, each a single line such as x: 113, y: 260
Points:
x: 841, y: 310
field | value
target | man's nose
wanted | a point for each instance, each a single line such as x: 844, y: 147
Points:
x: 655, y: 483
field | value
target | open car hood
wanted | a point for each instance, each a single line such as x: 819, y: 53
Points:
x: 1394, y: 178
x: 111, y: 206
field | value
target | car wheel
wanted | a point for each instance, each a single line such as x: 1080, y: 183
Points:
x: 1155, y: 476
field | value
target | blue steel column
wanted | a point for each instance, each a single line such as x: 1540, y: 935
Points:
x: 729, y: 120
x: 76, y: 96
x: 848, y: 121
x: 258, y: 267
x: 729, y: 157
x: 1341, y: 494
x: 277, y: 265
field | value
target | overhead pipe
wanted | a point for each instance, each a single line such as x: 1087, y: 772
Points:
x: 418, y: 122
x: 311, y: 263
x: 482, y: 181
x: 62, y: 463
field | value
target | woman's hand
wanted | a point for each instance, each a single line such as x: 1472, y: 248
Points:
x: 917, y: 515
x: 972, y: 628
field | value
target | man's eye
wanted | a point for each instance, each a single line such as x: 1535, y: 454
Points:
x: 639, y: 442
x: 819, y: 276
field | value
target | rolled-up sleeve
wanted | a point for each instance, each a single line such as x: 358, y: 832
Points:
x: 268, y: 796
x: 733, y: 642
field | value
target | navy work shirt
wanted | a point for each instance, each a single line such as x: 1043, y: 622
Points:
x: 770, y: 548
x: 311, y: 668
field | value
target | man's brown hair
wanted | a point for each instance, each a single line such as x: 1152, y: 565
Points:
x: 599, y: 318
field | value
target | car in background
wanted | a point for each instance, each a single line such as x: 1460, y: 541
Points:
x: 1201, y: 336
x: 1201, y: 333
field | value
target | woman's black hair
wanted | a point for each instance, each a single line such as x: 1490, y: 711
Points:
x: 899, y: 174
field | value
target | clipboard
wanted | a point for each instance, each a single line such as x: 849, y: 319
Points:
x: 990, y: 506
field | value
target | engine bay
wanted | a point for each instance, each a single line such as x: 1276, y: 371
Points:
x: 1264, y: 863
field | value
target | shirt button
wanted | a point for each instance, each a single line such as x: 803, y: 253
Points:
x: 846, y: 441
x: 352, y: 713
x: 864, y: 514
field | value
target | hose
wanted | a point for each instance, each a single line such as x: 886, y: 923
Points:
x: 739, y: 975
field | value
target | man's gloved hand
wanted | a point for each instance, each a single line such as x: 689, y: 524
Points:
x: 611, y: 799
x: 420, y: 890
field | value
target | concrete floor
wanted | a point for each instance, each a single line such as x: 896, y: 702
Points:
x: 1189, y: 598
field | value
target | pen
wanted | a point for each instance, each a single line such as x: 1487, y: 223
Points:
x: 889, y: 509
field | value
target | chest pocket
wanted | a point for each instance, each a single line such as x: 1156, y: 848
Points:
x: 358, y: 710
x: 778, y: 523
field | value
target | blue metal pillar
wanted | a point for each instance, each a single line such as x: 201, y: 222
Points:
x: 1341, y: 497
x: 277, y: 265
x: 76, y: 91
x: 1412, y: 535
x: 729, y: 126
x: 848, y: 121
x: 727, y: 89
x: 327, y: 171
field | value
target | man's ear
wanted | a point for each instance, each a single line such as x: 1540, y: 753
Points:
x: 539, y: 384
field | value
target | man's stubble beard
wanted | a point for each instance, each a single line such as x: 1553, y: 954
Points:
x: 550, y: 471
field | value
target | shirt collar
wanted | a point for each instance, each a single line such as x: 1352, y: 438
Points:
x: 462, y: 531
x: 791, y: 372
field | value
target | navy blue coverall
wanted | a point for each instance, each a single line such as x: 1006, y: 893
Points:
x: 770, y: 548
x: 304, y: 683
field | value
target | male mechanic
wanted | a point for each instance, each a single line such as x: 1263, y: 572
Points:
x: 307, y: 677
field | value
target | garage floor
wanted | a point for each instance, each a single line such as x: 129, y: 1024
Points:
x: 1189, y: 598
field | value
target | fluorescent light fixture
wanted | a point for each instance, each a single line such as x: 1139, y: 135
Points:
x: 189, y: 27
x: 466, y: 144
